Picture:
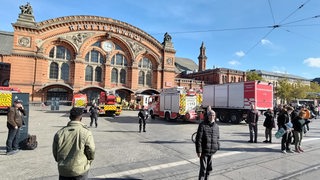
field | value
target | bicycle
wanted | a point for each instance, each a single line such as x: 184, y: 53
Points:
x: 193, y: 137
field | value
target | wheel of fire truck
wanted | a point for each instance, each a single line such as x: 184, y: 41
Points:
x: 187, y: 117
x: 235, y: 117
x: 167, y: 116
x: 152, y: 115
x: 223, y: 116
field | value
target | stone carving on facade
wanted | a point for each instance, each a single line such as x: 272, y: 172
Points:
x: 24, y: 41
x: 170, y: 61
x: 77, y: 38
x: 26, y: 9
x: 136, y: 48
x: 167, y: 41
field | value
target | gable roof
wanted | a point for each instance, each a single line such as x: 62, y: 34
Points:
x: 185, y: 64
x: 6, y: 42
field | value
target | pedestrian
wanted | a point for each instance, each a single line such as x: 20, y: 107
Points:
x: 94, y: 113
x: 207, y: 144
x: 268, y: 124
x: 298, y: 124
x: 143, y: 116
x: 73, y: 148
x: 14, y: 123
x: 282, y: 121
x: 252, y: 119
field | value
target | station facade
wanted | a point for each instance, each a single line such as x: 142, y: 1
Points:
x: 56, y: 58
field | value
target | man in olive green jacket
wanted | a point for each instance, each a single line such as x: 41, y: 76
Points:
x: 73, y: 148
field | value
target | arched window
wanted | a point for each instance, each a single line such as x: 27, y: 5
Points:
x: 98, y: 74
x: 114, y: 75
x: 54, y: 70
x: 149, y: 78
x: 60, y: 52
x: 145, y: 72
x: 95, y: 57
x: 89, y: 73
x: 141, y: 78
x: 145, y: 63
x: 119, y: 62
x: 65, y: 71
x: 123, y: 75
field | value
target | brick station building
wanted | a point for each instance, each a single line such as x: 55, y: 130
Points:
x: 58, y: 57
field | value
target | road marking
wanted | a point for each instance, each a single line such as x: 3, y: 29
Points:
x: 179, y: 163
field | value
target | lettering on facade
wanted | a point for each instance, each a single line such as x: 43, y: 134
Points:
x: 109, y: 28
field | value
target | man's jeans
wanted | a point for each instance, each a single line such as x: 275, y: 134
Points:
x: 13, y: 139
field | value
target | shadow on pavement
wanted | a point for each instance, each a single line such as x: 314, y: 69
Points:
x: 164, y: 142
x: 252, y: 149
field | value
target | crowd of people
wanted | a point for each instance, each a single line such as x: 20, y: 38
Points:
x: 293, y: 122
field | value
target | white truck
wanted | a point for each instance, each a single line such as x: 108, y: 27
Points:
x: 232, y: 101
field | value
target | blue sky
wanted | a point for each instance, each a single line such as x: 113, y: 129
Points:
x: 238, y: 34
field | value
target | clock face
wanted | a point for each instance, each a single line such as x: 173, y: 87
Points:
x: 107, y: 46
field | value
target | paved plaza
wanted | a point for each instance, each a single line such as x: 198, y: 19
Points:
x: 165, y: 151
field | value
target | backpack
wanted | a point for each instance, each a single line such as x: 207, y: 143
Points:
x: 30, y: 143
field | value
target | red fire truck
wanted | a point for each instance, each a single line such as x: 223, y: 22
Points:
x: 80, y: 100
x: 109, y: 104
x: 6, y: 97
x: 232, y: 101
x: 173, y: 103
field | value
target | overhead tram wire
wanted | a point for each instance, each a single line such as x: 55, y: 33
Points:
x: 300, y: 7
x: 303, y: 36
x: 215, y: 30
x: 256, y: 44
x: 270, y: 7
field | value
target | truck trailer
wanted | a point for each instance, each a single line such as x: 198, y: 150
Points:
x: 231, y: 101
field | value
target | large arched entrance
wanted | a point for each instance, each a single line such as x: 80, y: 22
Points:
x: 59, y: 92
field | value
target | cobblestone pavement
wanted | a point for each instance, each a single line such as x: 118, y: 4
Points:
x: 165, y: 151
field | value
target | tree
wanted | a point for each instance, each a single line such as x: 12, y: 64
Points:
x: 251, y: 76
x: 299, y: 91
x: 284, y: 90
x: 313, y: 91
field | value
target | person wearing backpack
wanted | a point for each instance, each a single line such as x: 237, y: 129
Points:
x: 73, y: 148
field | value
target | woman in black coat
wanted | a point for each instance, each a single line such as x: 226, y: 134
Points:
x: 269, y: 124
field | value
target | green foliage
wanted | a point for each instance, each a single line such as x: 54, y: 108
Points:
x: 251, y: 76
x: 287, y: 91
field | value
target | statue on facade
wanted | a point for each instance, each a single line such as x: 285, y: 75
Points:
x: 26, y: 9
x: 167, y: 37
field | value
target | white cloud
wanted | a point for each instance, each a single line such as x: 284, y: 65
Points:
x: 266, y: 42
x: 281, y: 70
x: 240, y: 54
x: 234, y: 62
x: 312, y: 62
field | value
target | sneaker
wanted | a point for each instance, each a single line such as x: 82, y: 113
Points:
x: 284, y: 152
x: 10, y: 153
x: 290, y: 151
x: 266, y: 141
x: 250, y: 141
x: 301, y: 150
